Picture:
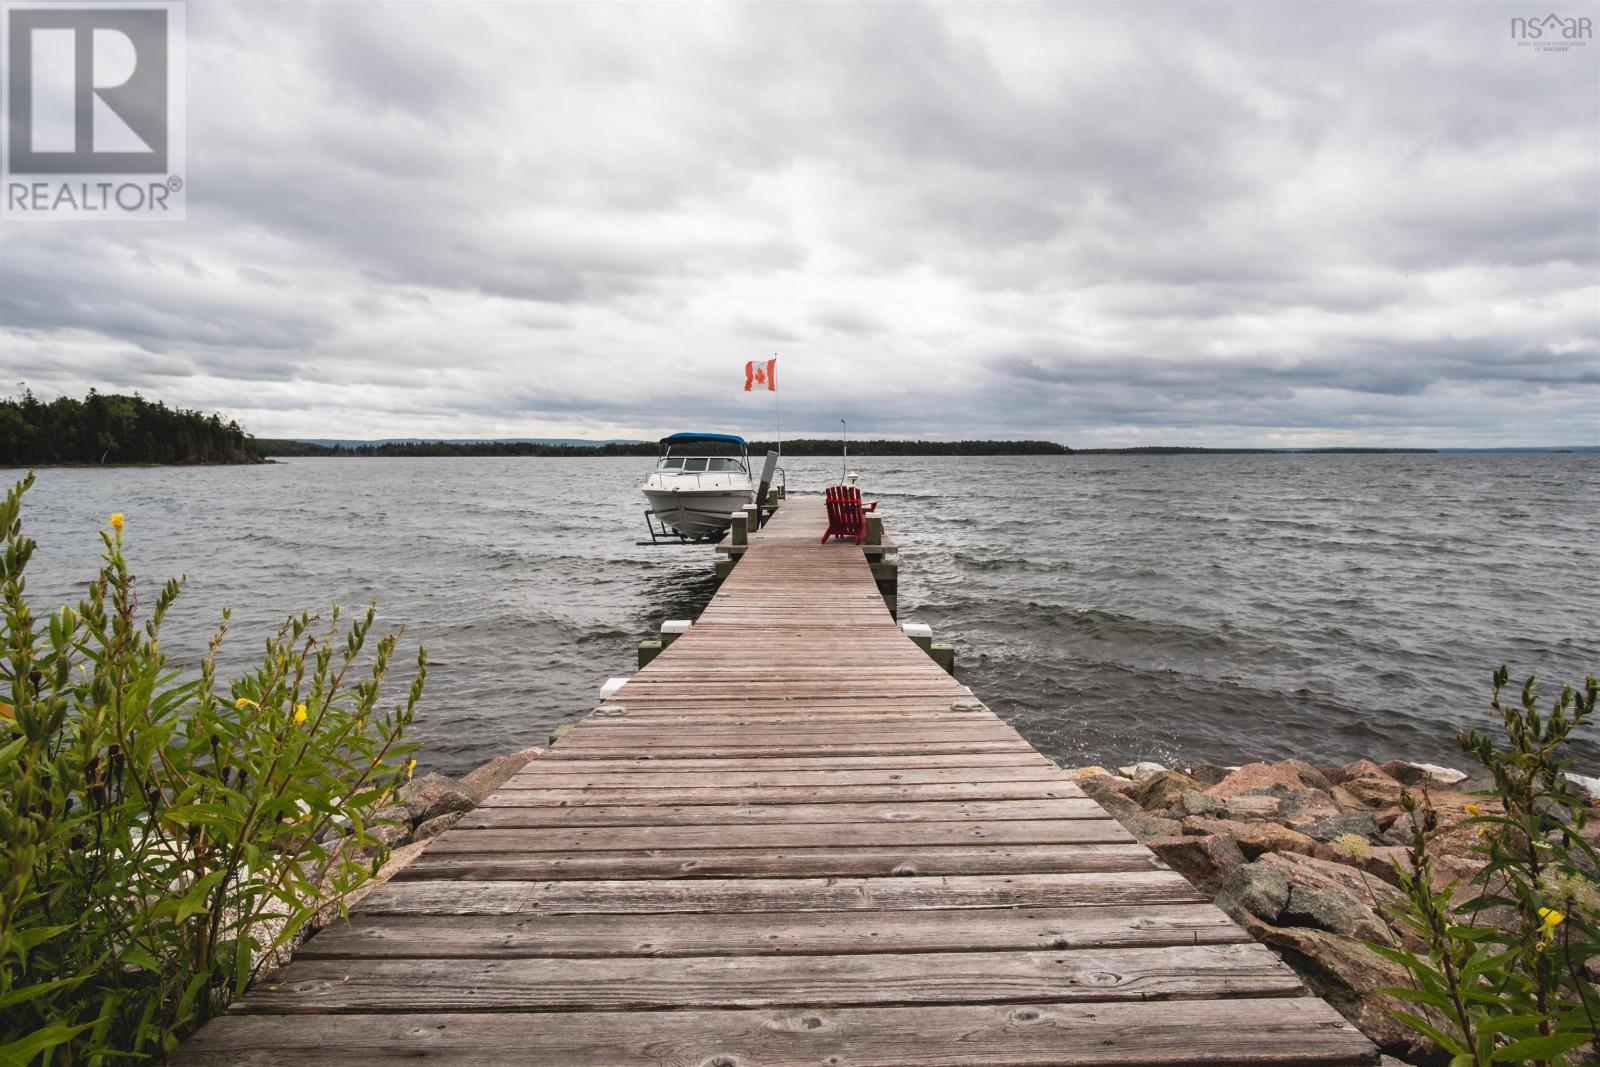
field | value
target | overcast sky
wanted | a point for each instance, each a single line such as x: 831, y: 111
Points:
x: 1106, y: 224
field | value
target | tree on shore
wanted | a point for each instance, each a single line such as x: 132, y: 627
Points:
x: 114, y: 428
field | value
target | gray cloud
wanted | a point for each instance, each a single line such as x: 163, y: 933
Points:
x: 1219, y: 223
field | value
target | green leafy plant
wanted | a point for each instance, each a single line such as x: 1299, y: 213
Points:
x: 162, y: 838
x: 1499, y: 974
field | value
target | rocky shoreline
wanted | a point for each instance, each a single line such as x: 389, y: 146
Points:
x: 1304, y: 858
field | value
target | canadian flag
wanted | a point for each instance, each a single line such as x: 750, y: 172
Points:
x: 758, y: 373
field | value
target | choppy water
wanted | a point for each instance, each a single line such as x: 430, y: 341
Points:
x: 1112, y: 608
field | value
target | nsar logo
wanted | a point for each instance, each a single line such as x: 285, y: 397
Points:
x: 1552, y: 33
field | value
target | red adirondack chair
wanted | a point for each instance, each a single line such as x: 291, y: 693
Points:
x: 847, y: 513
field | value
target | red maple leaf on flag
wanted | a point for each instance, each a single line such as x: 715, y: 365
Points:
x: 761, y: 373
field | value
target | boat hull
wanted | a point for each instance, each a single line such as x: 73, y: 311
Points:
x: 698, y: 514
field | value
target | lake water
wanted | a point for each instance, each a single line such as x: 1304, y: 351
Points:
x: 1111, y: 607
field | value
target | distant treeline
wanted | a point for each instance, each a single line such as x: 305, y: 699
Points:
x: 279, y: 447
x: 821, y: 446
x: 797, y: 447
x: 1176, y: 450
x: 112, y: 428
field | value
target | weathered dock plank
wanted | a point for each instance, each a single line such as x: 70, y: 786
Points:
x: 667, y: 796
x: 820, y: 748
x: 1295, y: 1032
x: 647, y: 983
x: 777, y: 862
x: 525, y: 816
x: 791, y: 839
x: 1139, y: 882
x: 660, y: 772
x: 784, y: 763
x: 836, y: 834
x: 771, y: 933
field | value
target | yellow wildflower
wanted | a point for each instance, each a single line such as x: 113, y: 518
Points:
x: 411, y: 766
x: 7, y: 711
x: 244, y: 702
x: 1472, y: 809
x: 116, y: 521
x: 299, y: 713
x: 1552, y: 918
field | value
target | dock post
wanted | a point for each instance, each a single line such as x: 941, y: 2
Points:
x: 887, y: 574
x: 752, y: 519
x: 921, y: 635
x: 649, y: 649
x: 739, y: 532
x: 560, y: 731
x: 874, y: 529
x: 673, y: 629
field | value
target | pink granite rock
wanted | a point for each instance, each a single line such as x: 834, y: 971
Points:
x: 1206, y: 861
x: 1285, y: 774
x: 1254, y: 838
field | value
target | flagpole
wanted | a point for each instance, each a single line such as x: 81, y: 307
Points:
x: 777, y: 402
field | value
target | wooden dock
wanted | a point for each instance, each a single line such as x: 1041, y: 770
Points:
x: 792, y: 839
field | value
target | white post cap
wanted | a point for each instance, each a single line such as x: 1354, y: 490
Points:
x: 676, y: 626
x: 917, y: 629
x: 612, y: 685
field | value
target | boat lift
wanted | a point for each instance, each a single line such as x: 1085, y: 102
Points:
x: 661, y: 534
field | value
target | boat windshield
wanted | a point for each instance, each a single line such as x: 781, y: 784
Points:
x: 697, y: 464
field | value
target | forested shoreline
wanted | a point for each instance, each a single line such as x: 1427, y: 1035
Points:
x: 116, y: 429
x: 796, y: 447
x: 112, y: 429
x: 1188, y: 450
x: 824, y: 446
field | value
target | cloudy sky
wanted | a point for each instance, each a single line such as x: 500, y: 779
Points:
x: 1210, y: 223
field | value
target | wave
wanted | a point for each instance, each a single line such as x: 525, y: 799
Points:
x: 1002, y: 563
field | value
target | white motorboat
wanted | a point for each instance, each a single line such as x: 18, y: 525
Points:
x: 699, y: 480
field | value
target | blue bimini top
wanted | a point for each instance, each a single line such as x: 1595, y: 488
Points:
x: 685, y: 437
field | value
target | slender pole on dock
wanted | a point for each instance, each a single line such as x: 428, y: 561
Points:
x: 844, y: 441
x: 777, y: 402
